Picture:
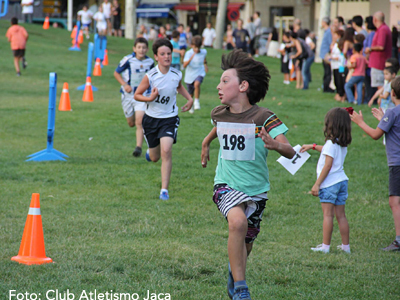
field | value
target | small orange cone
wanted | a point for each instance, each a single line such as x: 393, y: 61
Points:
x: 80, y: 37
x: 73, y: 33
x: 65, y: 103
x: 46, y: 23
x: 105, y: 60
x: 97, y: 68
x: 292, y: 74
x: 88, y: 92
x: 31, y: 251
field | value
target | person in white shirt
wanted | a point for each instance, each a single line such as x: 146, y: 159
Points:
x: 107, y: 14
x: 332, y: 183
x: 208, y: 36
x: 254, y: 45
x: 27, y: 10
x: 195, y: 64
x: 85, y: 16
x: 129, y: 73
x: 101, y: 24
x: 161, y: 121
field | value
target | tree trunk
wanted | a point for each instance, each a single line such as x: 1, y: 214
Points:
x: 130, y: 19
x: 324, y: 11
x: 220, y: 26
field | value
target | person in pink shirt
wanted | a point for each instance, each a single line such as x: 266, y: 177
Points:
x: 17, y: 36
x: 380, y: 50
x: 359, y: 64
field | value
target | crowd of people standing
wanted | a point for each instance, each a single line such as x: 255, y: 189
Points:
x: 107, y: 17
x: 362, y: 56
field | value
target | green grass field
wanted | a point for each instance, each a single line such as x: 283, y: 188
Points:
x: 105, y: 227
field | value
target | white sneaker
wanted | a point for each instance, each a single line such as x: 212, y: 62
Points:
x: 191, y: 110
x: 320, y: 249
x: 196, y: 104
x: 339, y: 247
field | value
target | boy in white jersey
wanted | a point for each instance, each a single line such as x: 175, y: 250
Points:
x: 196, y: 68
x: 85, y: 16
x: 161, y: 121
x: 129, y: 73
x: 246, y: 132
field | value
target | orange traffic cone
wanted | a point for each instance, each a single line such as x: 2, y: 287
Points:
x: 88, y: 92
x: 97, y: 68
x: 80, y: 37
x: 46, y: 23
x: 73, y: 33
x: 65, y: 103
x: 31, y: 251
x: 105, y: 60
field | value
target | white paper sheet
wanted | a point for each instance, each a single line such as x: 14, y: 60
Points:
x: 294, y: 164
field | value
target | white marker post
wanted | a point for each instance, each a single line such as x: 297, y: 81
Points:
x: 295, y: 163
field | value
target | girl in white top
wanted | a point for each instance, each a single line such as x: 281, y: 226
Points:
x: 331, y: 185
x: 107, y: 14
x: 161, y: 121
x: 101, y: 24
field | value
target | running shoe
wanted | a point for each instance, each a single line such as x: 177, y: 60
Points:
x: 395, y: 246
x: 241, y: 293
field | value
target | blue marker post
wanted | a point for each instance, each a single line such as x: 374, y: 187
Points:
x: 76, y: 47
x: 50, y: 153
x: 89, y: 68
x: 100, y: 45
x: 3, y: 7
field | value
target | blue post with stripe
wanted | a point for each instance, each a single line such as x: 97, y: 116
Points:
x: 100, y: 45
x: 89, y: 68
x: 76, y: 46
x: 50, y: 153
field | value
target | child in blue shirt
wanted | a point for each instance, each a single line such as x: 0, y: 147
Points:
x: 177, y: 52
x: 196, y: 68
x: 389, y: 125
x: 182, y: 37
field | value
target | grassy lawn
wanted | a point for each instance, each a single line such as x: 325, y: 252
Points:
x: 105, y: 227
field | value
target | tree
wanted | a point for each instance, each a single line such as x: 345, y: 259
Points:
x: 324, y: 11
x: 220, y: 26
x: 130, y: 19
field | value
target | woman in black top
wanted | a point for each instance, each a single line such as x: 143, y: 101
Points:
x: 395, y: 37
x: 116, y: 11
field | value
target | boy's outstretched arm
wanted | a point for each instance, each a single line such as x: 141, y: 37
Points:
x: 280, y: 144
x: 181, y: 90
x: 143, y: 86
x: 359, y: 120
x: 125, y: 85
x: 205, y: 146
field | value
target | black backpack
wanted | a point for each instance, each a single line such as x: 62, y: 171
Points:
x: 306, y: 51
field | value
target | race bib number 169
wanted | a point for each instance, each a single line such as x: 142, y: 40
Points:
x: 237, y: 140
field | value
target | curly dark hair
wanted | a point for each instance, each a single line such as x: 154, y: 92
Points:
x: 250, y: 70
x: 161, y: 42
x: 338, y: 126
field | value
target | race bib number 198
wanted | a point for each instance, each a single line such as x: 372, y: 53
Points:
x: 237, y: 140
